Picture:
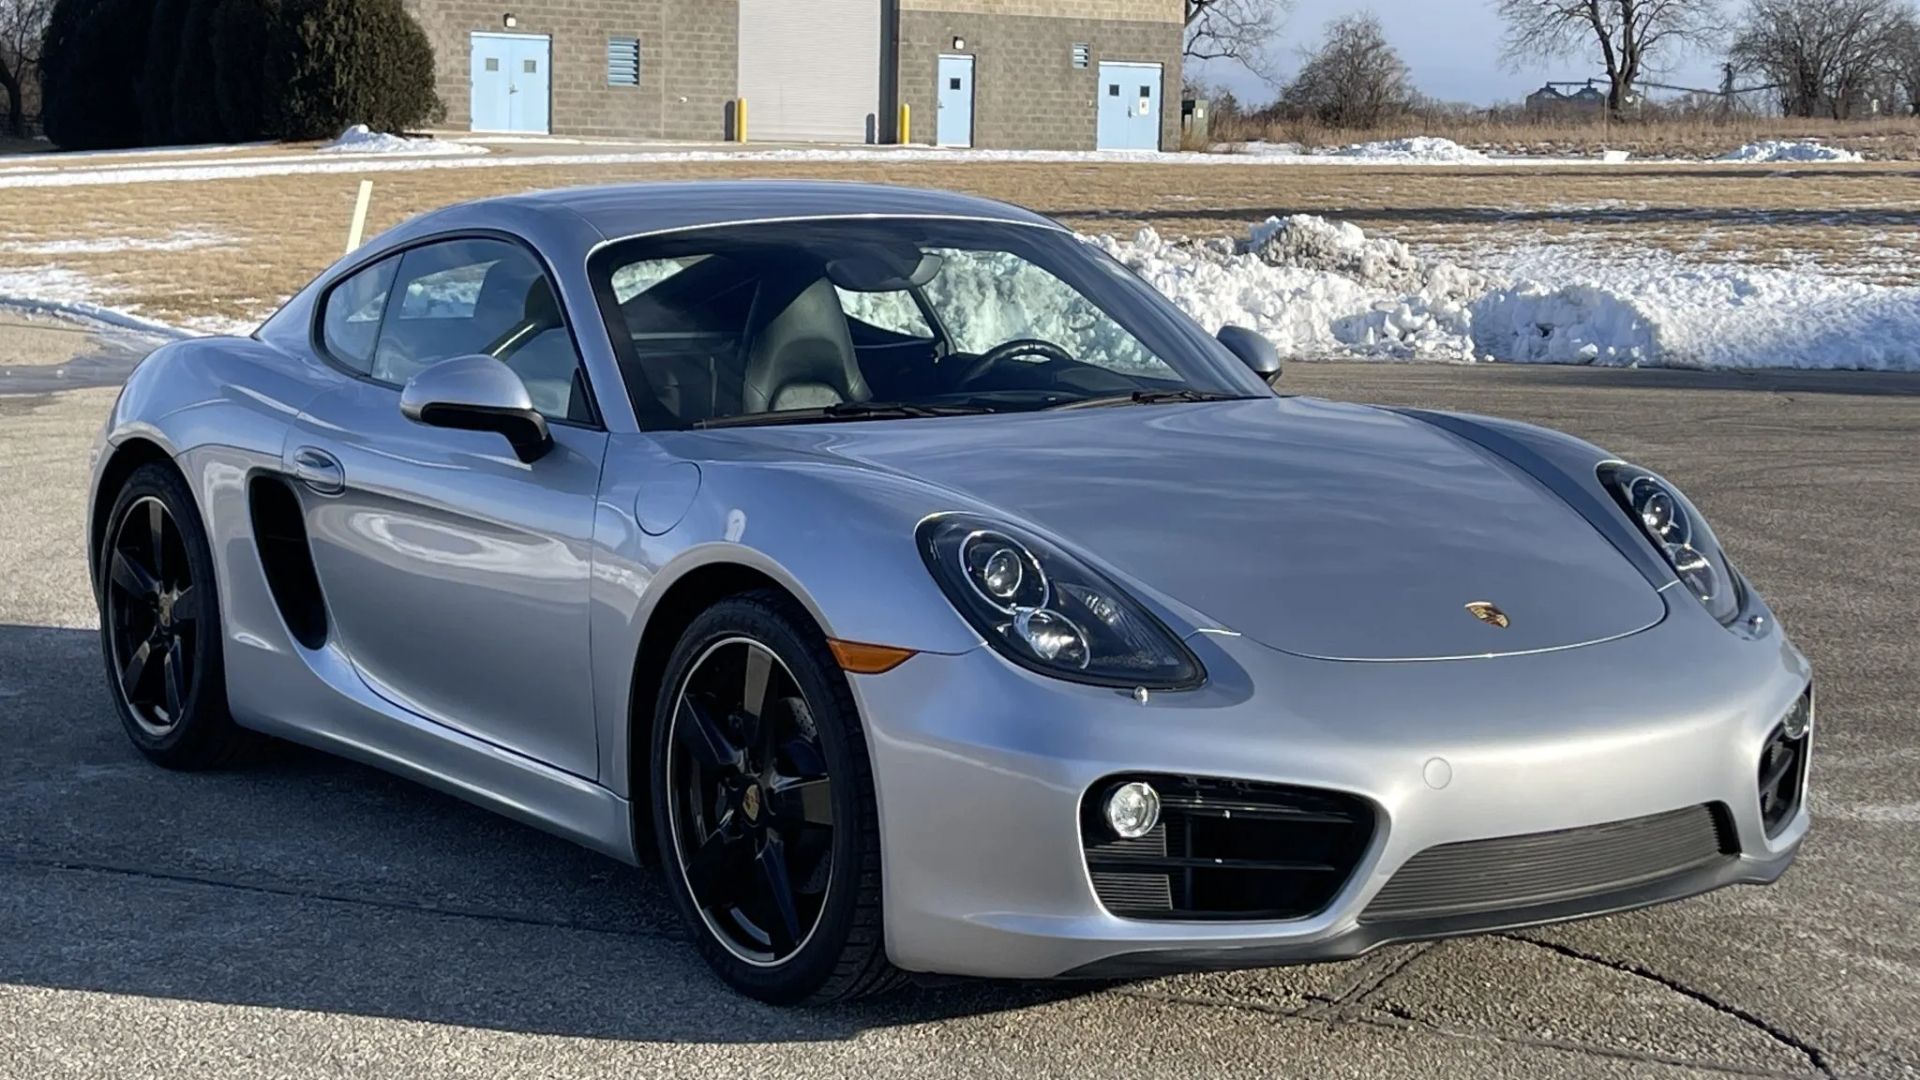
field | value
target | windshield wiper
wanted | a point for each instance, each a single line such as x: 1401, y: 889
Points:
x: 1150, y: 397
x: 845, y: 410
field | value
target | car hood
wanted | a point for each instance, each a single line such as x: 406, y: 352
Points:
x: 1321, y: 529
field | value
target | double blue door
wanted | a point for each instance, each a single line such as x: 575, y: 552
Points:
x: 511, y: 82
x: 1129, y: 107
x: 955, y: 126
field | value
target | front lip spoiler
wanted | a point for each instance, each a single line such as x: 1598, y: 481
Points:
x: 1366, y: 937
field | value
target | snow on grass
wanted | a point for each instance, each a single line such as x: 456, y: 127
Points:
x: 1771, y: 150
x: 360, y: 139
x: 360, y: 163
x: 1323, y: 289
x: 1420, y: 149
x: 184, y: 240
x: 58, y: 290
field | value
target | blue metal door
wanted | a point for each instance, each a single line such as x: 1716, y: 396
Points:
x: 1129, y: 107
x: 955, y: 127
x: 511, y: 83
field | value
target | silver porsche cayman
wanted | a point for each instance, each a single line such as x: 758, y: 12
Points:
x: 924, y: 593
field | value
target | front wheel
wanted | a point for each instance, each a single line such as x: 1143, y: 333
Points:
x: 764, y: 809
x: 160, y: 627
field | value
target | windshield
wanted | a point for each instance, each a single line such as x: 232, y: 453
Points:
x: 890, y: 318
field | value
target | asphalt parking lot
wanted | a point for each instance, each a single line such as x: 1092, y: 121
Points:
x: 310, y: 917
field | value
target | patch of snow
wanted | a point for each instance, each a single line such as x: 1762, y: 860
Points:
x: 360, y: 139
x: 184, y: 240
x: 1788, y: 150
x: 1321, y: 289
x: 1422, y: 149
x: 55, y: 290
x: 360, y: 164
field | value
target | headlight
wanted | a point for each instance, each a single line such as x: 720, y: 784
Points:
x: 1048, y: 611
x: 1681, y: 535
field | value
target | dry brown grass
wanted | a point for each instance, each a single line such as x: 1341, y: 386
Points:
x: 285, y: 229
x: 1688, y: 136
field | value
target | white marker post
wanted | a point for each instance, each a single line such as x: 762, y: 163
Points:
x: 359, y: 227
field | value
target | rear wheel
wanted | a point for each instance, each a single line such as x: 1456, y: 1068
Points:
x: 160, y: 626
x: 764, y: 809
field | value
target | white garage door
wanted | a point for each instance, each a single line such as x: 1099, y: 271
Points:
x: 810, y: 69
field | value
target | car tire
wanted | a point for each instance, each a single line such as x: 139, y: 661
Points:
x: 160, y: 629
x: 842, y: 952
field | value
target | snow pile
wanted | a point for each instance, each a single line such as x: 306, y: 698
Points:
x: 1316, y: 288
x: 1788, y: 150
x: 1322, y: 289
x: 1420, y: 148
x: 360, y: 139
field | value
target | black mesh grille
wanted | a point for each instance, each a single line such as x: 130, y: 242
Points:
x: 1226, y: 849
x: 1544, y: 868
x: 1783, y: 767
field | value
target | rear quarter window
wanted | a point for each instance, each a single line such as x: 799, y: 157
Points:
x: 350, y: 319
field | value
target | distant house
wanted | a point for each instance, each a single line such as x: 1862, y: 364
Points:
x: 1551, y: 99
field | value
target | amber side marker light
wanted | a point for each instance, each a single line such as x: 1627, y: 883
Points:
x: 862, y: 659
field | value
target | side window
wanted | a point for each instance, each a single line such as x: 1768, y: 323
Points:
x: 894, y: 312
x: 463, y: 297
x: 350, y: 322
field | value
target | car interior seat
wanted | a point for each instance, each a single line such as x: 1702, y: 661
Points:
x: 799, y: 348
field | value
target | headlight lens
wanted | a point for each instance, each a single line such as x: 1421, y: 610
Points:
x: 1681, y: 535
x: 1048, y: 611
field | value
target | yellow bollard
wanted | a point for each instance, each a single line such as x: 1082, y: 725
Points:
x: 358, y: 228
x: 740, y: 120
x: 906, y: 123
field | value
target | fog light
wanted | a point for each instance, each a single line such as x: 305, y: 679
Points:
x: 1133, y: 809
x: 1799, y: 718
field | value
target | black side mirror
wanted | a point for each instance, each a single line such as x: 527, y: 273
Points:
x: 478, y: 393
x: 1253, y: 349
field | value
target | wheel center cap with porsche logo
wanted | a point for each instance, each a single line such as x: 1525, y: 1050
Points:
x: 1488, y: 613
x: 750, y: 802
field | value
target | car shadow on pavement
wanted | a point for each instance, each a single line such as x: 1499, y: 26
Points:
x: 312, y: 883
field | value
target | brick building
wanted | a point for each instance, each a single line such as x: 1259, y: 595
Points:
x: 1028, y: 74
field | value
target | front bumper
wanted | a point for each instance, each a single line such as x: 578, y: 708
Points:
x: 980, y: 768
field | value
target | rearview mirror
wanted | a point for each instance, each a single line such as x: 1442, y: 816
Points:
x: 478, y: 393
x: 1253, y: 349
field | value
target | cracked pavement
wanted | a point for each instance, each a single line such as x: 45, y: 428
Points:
x: 312, y: 917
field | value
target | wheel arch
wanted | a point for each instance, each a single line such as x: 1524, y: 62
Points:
x: 121, y: 463
x: 693, y: 592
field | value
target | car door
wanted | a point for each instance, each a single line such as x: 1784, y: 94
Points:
x: 456, y: 575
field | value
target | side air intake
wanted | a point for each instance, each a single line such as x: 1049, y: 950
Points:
x: 280, y: 533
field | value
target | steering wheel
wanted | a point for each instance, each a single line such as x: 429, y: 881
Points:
x: 1007, y: 351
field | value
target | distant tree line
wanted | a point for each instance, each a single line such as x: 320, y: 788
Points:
x: 118, y: 73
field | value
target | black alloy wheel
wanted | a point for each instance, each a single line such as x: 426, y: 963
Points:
x: 751, y: 801
x: 160, y: 626
x: 152, y: 607
x: 763, y: 805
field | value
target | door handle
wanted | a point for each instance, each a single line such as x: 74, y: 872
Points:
x: 319, y: 470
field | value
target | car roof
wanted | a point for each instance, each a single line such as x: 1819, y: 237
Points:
x: 621, y: 210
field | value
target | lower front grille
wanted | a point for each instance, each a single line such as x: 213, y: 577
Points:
x: 1515, y: 872
x: 1226, y: 849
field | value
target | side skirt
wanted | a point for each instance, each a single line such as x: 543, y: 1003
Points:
x: 336, y: 713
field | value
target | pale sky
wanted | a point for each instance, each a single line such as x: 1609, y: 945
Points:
x: 1453, y: 47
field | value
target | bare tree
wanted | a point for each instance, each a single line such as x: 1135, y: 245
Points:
x: 1354, y: 79
x: 1906, y: 64
x: 1627, y: 33
x: 1236, y: 30
x: 22, y: 22
x: 1826, y: 56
